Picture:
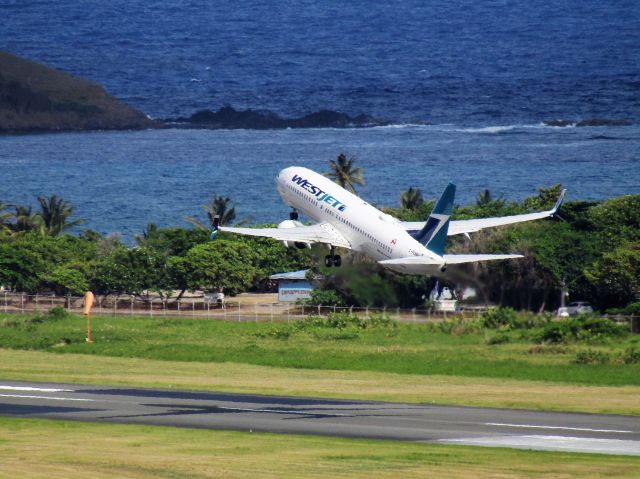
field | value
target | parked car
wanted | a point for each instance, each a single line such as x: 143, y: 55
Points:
x: 574, y: 308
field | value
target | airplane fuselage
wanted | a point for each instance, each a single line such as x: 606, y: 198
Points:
x: 368, y: 229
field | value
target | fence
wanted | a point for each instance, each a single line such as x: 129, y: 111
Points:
x: 235, y: 309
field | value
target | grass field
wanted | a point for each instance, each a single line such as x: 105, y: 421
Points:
x: 61, y: 449
x: 401, y: 349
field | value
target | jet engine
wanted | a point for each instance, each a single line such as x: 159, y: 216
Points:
x: 293, y: 223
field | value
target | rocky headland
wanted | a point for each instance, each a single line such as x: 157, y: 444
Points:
x: 228, y: 117
x: 37, y: 98
x: 590, y: 122
x: 34, y: 98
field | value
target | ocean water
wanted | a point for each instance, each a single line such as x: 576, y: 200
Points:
x: 120, y: 181
x: 485, y: 74
x: 461, y: 62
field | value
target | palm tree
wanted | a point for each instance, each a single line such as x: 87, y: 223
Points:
x: 343, y: 172
x: 150, y: 232
x: 411, y: 199
x: 55, y: 212
x: 219, y: 206
x: 27, y: 220
x: 485, y: 198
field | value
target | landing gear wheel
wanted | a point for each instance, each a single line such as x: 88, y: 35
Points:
x: 293, y: 215
x: 337, y: 260
x: 328, y: 261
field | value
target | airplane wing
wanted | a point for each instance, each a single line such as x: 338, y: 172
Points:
x: 457, y: 227
x: 318, y: 233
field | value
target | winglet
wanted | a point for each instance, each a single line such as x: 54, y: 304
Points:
x: 216, y: 224
x: 559, y: 202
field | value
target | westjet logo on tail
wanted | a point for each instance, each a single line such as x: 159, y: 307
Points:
x: 318, y: 193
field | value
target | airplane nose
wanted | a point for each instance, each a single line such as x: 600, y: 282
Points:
x: 283, y: 175
x: 280, y: 179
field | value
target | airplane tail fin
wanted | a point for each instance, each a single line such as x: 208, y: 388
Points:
x: 434, y: 233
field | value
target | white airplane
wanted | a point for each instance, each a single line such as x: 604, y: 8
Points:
x: 343, y: 220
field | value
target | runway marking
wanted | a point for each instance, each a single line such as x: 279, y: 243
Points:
x: 51, y: 398
x: 554, y: 443
x: 564, y: 428
x: 29, y: 388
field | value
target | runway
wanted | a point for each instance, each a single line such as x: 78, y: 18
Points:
x: 540, y: 430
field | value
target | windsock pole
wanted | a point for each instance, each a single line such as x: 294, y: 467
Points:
x: 89, y: 298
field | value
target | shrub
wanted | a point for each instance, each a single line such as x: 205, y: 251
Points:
x: 591, y: 356
x: 336, y: 335
x: 334, y: 326
x: 345, y: 320
x: 530, y: 321
x: 631, y: 309
x: 324, y: 297
x: 580, y: 328
x: 631, y: 356
x: 554, y: 333
x: 278, y: 332
x: 499, y: 317
x: 544, y: 349
x: 381, y: 320
x: 56, y: 313
x: 10, y: 323
x: 457, y: 326
x: 499, y: 338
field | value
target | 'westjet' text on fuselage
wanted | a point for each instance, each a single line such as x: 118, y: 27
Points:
x: 318, y: 193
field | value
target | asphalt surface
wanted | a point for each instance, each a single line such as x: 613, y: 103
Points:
x: 608, y: 434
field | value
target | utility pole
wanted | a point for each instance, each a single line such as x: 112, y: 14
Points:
x: 563, y: 292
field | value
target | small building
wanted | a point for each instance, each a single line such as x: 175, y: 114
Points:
x: 293, y: 286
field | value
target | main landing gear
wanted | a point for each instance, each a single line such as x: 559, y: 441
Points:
x: 332, y: 259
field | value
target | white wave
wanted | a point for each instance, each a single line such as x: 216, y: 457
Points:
x: 499, y: 129
x: 399, y: 126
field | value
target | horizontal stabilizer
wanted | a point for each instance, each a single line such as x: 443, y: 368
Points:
x: 410, y: 260
x: 427, y: 265
x: 448, y: 259
x: 472, y: 258
x: 413, y: 265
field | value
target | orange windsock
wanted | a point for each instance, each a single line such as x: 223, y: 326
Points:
x: 89, y: 298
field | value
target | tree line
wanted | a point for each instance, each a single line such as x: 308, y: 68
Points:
x: 592, y: 249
